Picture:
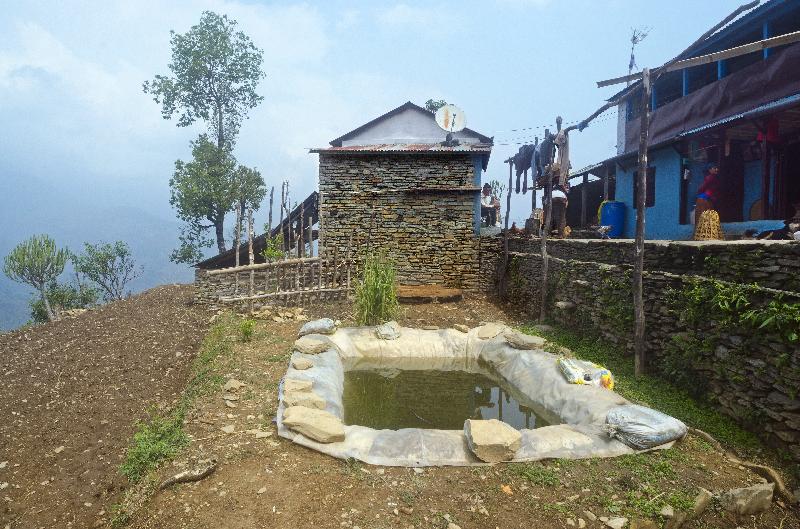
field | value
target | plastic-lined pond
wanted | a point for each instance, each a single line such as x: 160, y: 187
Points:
x: 394, y: 399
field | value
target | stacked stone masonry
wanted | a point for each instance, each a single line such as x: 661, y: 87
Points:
x: 754, y: 380
x: 417, y: 208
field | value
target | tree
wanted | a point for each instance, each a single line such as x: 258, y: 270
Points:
x: 215, y: 71
x: 109, y: 265
x: 203, y: 191
x: 432, y: 105
x: 37, y: 262
x: 63, y: 296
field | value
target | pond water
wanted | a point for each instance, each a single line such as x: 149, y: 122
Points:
x: 435, y: 399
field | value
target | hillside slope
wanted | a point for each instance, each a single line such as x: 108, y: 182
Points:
x: 70, y: 394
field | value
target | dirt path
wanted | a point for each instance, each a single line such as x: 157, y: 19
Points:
x: 270, y: 482
x: 70, y: 395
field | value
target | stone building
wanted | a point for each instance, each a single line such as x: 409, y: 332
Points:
x: 393, y: 185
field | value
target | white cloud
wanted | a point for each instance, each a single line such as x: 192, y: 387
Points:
x: 434, y: 20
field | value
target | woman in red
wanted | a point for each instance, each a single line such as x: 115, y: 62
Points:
x: 708, y: 193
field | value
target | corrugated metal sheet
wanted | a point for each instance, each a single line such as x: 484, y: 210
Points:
x: 409, y: 147
x: 766, y: 107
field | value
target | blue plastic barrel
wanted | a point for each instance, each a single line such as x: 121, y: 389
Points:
x: 612, y: 214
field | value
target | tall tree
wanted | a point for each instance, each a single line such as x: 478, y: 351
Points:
x: 110, y: 266
x: 432, y: 105
x: 203, y: 191
x: 215, y: 71
x: 37, y: 262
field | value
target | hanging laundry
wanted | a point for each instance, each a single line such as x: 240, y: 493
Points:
x: 525, y: 183
x: 562, y: 159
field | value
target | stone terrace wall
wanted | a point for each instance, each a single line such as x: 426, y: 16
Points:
x: 750, y: 374
x: 390, y: 202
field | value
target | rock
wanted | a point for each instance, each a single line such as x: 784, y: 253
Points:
x: 233, y: 385
x: 262, y: 490
x: 667, y: 511
x: 461, y: 327
x: 638, y: 523
x: 701, y: 502
x: 748, y: 500
x: 59, y: 449
x: 565, y: 305
x: 451, y: 525
x: 570, y: 522
x: 543, y: 327
x: 230, y: 396
x: 581, y: 523
x: 318, y: 425
x: 517, y: 340
x: 492, y: 441
x: 321, y: 326
x: 230, y: 404
x: 590, y: 515
x: 263, y: 435
x: 309, y: 399
x: 490, y: 330
x: 676, y: 521
x: 388, y: 331
x: 296, y: 384
x: 430, y: 328
x: 229, y: 428
x: 301, y: 363
x: 617, y: 522
x: 312, y: 344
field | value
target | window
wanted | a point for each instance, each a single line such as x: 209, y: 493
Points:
x: 650, y: 198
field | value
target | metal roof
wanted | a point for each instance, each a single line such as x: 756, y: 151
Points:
x: 410, y: 147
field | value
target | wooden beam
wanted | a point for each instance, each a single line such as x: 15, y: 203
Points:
x: 641, y: 207
x: 752, y: 47
x: 584, y: 187
x: 283, y: 293
x: 259, y: 266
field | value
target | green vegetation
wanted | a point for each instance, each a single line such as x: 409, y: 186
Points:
x: 376, y: 292
x: 273, y: 247
x: 37, y: 262
x: 63, y: 296
x: 652, y: 390
x: 161, y: 436
x: 534, y: 473
x: 246, y: 330
x: 109, y: 265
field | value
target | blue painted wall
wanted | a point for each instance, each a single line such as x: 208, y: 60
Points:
x: 663, y: 218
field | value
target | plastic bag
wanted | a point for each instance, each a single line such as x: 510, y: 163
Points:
x: 584, y: 372
x: 641, y: 428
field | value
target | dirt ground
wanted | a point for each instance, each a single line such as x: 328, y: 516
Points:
x: 270, y: 482
x: 71, y: 394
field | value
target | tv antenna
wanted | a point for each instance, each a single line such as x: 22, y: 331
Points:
x: 451, y: 119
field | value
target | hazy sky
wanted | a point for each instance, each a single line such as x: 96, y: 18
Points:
x: 74, y: 116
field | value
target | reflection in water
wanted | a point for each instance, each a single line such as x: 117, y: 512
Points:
x: 394, y: 399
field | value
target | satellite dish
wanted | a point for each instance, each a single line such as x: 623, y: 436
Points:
x: 451, y: 118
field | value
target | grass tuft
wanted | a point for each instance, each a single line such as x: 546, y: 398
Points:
x: 376, y: 292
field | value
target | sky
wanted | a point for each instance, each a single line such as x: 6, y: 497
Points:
x: 74, y: 117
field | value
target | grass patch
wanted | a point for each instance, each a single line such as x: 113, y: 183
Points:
x: 652, y: 390
x: 155, y: 440
x: 246, y: 330
x: 534, y: 473
x: 376, y: 292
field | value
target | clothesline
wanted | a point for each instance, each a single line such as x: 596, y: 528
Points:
x: 523, y: 140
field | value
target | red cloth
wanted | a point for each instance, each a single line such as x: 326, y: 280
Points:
x: 710, y: 187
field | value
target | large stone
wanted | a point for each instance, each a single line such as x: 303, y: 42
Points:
x: 295, y: 384
x: 518, y: 340
x: 490, y: 330
x: 312, y: 344
x: 309, y: 399
x: 301, y: 364
x: 318, y: 425
x: 748, y: 500
x: 388, y: 331
x: 492, y: 441
x: 321, y: 326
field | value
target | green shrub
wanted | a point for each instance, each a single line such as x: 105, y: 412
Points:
x: 157, y: 439
x: 376, y: 292
x: 246, y: 330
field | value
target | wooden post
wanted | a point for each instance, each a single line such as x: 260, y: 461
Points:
x: 548, y: 223
x: 765, y: 175
x: 605, y: 186
x: 584, y: 191
x: 237, y: 244
x: 503, y: 281
x: 638, y: 268
x: 251, y: 256
x: 301, y: 251
x: 269, y: 219
x: 280, y: 223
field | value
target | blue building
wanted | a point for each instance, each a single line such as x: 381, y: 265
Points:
x: 742, y: 113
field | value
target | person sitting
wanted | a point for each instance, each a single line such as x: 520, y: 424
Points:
x: 490, y: 206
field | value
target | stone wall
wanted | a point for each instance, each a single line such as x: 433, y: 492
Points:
x: 751, y: 373
x: 418, y: 208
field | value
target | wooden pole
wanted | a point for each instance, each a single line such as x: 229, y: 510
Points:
x: 638, y: 268
x: 301, y: 251
x: 548, y: 223
x: 237, y: 244
x: 765, y: 175
x: 269, y: 219
x: 251, y: 257
x: 280, y: 223
x: 503, y: 281
x: 583, y: 199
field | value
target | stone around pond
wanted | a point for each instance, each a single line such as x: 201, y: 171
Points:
x: 321, y: 326
x: 491, y: 440
x: 317, y: 425
x: 301, y: 363
x: 294, y: 384
x: 490, y: 330
x: 748, y: 500
x: 388, y: 331
x: 308, y: 399
x: 312, y: 344
x: 517, y: 340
